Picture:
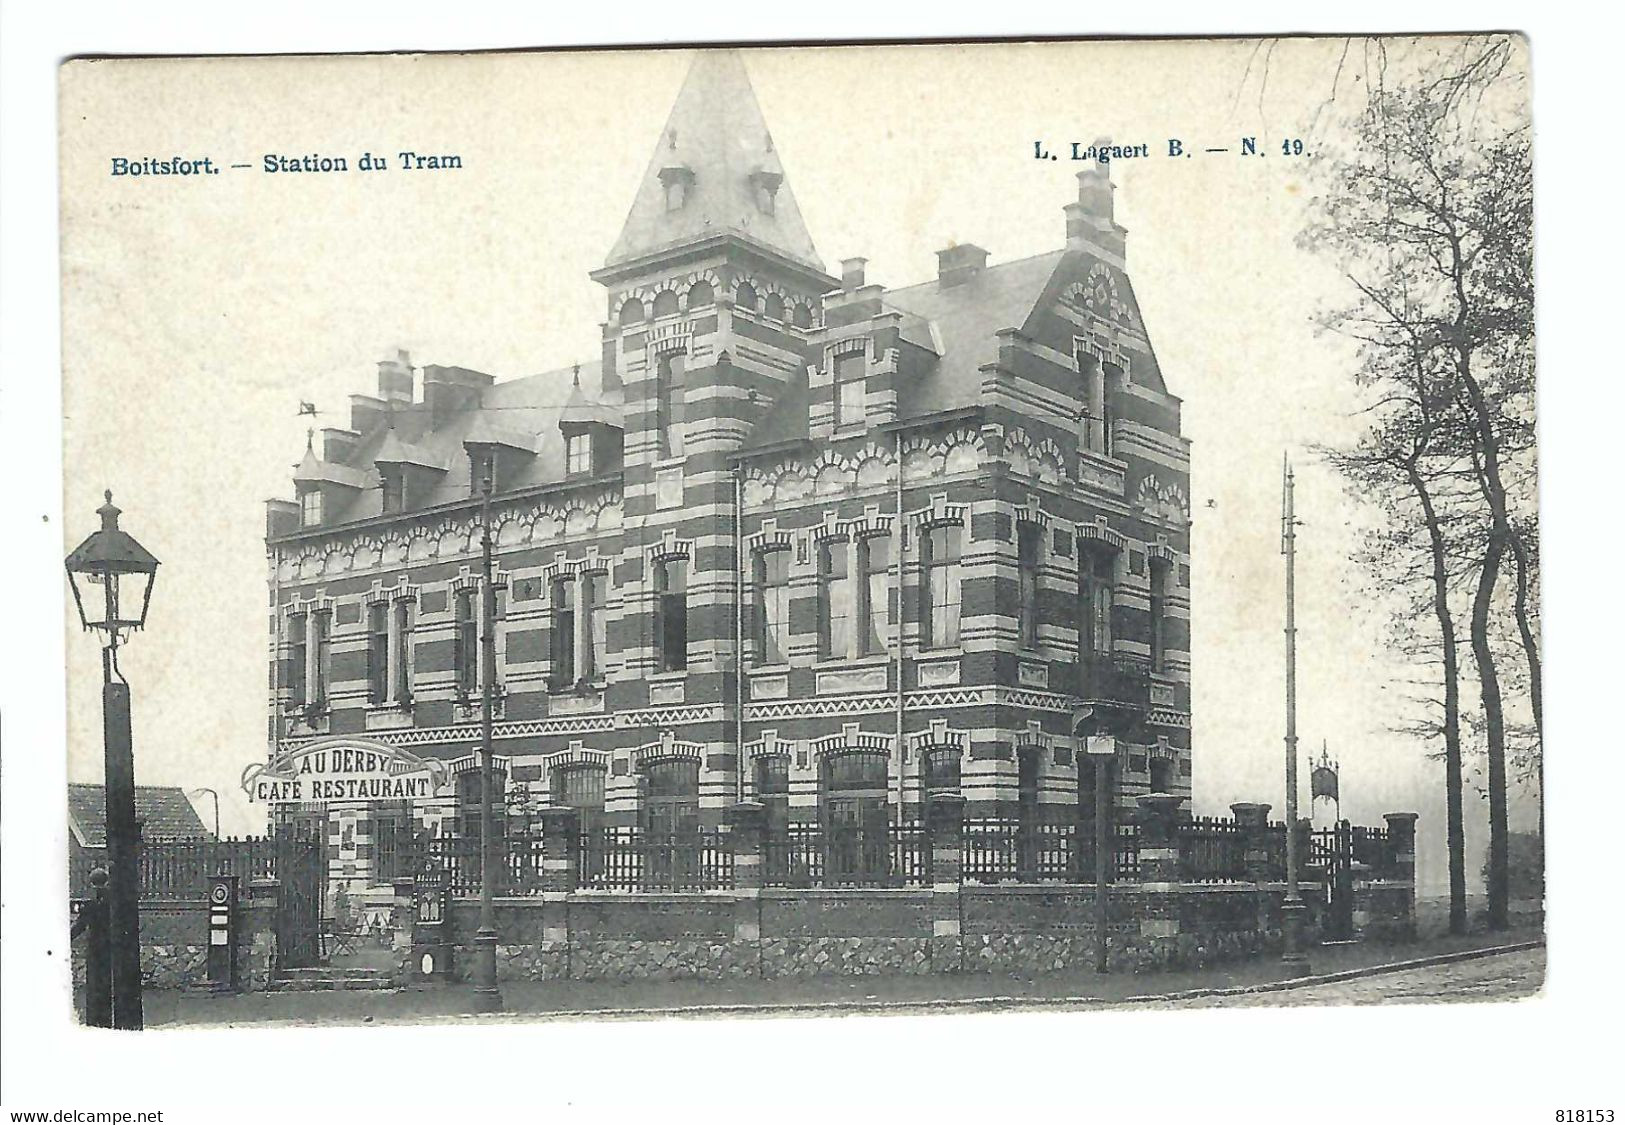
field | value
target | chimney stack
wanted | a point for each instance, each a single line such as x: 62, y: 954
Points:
x: 1091, y: 221
x: 395, y: 378
x: 959, y: 264
x: 852, y: 273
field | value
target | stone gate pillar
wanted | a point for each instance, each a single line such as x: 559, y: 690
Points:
x: 561, y: 874
x: 747, y: 829
x: 256, y: 934
x: 945, y: 836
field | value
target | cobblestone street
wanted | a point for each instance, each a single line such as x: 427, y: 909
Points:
x: 1505, y: 976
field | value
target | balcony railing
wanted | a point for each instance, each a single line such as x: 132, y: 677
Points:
x: 1116, y: 680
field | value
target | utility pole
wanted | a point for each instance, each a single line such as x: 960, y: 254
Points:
x: 487, y: 997
x: 1292, y: 910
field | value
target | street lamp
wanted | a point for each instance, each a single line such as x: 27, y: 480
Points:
x: 216, y: 796
x: 112, y: 576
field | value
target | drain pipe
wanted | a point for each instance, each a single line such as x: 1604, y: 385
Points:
x: 739, y: 633
x: 897, y: 626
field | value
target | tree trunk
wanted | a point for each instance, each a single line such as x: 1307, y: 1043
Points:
x: 1455, y: 834
x: 1531, y: 652
x: 1489, y: 684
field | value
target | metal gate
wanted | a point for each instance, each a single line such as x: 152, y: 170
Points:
x: 1331, y: 856
x: 301, y: 867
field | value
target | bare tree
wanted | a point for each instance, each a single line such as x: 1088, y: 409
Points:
x: 1429, y: 214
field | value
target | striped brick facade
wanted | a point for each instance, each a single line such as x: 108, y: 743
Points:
x: 1061, y: 435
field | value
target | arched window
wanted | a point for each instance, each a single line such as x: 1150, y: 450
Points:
x: 854, y: 794
x: 632, y: 312
x: 802, y: 316
x: 745, y: 296
x: 942, y: 771
x: 700, y: 294
x: 581, y: 787
x: 671, y: 796
x: 665, y: 303
x: 774, y: 308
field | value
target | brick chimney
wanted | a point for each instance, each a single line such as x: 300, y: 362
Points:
x: 1091, y: 221
x: 395, y: 378
x: 852, y: 273
x: 958, y: 264
x: 367, y: 413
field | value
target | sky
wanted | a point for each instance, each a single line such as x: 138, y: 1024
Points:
x: 199, y: 312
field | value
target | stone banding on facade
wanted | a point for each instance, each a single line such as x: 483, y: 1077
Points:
x: 723, y: 350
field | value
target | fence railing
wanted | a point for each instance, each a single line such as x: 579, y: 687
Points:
x: 180, y: 868
x: 1212, y: 850
x: 631, y: 859
x: 993, y: 850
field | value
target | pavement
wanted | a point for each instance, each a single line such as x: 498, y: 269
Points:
x: 1481, y: 967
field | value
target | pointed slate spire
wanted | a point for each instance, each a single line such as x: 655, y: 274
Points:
x: 714, y: 171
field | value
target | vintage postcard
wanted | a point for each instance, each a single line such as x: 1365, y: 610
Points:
x: 730, y: 531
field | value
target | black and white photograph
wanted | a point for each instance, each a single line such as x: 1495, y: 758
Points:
x: 703, y: 535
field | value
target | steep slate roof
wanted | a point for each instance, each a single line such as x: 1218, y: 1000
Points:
x: 164, y: 809
x: 716, y: 130
x: 524, y: 412
x: 957, y: 322
x: 964, y: 318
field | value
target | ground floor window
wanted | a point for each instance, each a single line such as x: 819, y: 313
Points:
x: 854, y: 795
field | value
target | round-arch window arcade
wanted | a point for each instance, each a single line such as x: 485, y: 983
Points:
x: 801, y: 316
x: 632, y: 311
x: 665, y: 303
x: 774, y: 309
x: 745, y: 296
x: 700, y: 294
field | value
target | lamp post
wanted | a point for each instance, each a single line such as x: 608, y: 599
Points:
x: 216, y: 796
x: 487, y: 996
x: 112, y: 576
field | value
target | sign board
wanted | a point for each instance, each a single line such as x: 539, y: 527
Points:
x: 345, y: 769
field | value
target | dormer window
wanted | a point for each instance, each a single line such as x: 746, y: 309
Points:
x: 578, y: 455
x: 849, y: 389
x: 310, y: 508
x: 675, y: 181
x: 394, y: 490
x: 765, y: 185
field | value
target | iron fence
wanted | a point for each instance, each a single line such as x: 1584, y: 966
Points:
x: 847, y: 855
x: 1001, y: 850
x: 631, y: 859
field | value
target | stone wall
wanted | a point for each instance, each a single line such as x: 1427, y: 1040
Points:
x: 950, y: 926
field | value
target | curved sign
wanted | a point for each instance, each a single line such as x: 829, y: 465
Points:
x: 344, y: 769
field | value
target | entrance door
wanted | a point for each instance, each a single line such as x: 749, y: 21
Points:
x: 855, y: 818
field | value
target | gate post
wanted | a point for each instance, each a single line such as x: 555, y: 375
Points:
x: 93, y: 922
x: 1401, y: 854
x: 945, y: 836
x: 747, y: 824
x: 1159, y: 875
x: 257, y: 943
x: 561, y: 875
x: 1254, y: 820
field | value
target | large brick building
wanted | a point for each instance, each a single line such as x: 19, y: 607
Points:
x: 702, y: 570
